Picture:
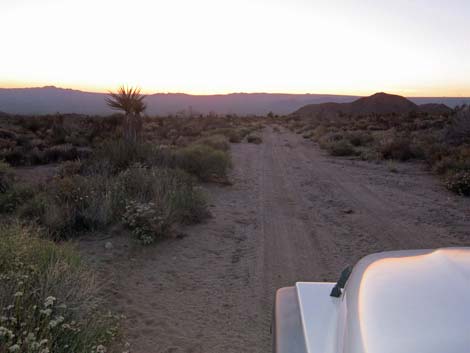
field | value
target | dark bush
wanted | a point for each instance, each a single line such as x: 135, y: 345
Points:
x: 359, y: 138
x: 15, y: 196
x: 60, y: 153
x: 459, y: 182
x: 397, y: 148
x: 254, y: 139
x: 6, y: 177
x: 341, y: 148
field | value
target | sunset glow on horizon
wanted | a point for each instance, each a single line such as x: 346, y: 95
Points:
x: 412, y: 48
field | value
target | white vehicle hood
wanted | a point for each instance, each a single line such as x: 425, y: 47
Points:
x: 394, y: 302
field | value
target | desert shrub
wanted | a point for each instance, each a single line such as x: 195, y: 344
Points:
x: 455, y: 161
x: 7, y: 134
x: 48, y: 298
x: 217, y: 142
x: 70, y: 168
x: 459, y: 129
x: 318, y: 132
x: 189, y: 204
x: 6, y: 177
x: 398, y: 148
x: 359, y: 138
x: 155, y: 199
x: 203, y: 161
x: 15, y: 195
x: 370, y: 155
x: 328, y: 138
x: 341, y: 148
x: 34, y: 207
x: 15, y: 156
x: 78, y: 203
x: 58, y: 134
x: 235, y: 135
x: 172, y: 189
x: 148, y: 221
x: 36, y: 123
x: 254, y: 139
x: 459, y: 182
x: 113, y: 157
x: 60, y: 153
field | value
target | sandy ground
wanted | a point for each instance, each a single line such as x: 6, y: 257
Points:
x: 293, y: 214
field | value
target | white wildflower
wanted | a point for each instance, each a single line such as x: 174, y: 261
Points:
x: 43, y: 342
x: 4, y: 332
x: 49, y: 301
x: 30, y: 337
x: 14, y: 348
x: 101, y: 349
x: 59, y: 319
x: 18, y: 294
x: 34, y: 345
x: 46, y: 312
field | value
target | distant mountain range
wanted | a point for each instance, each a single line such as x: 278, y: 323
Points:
x: 379, y: 103
x: 50, y: 100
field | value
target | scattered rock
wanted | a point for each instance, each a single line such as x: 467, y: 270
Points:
x: 348, y: 211
x: 108, y: 245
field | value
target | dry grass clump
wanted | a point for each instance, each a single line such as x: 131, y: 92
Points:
x: 204, y: 161
x: 217, y: 142
x: 6, y: 177
x: 77, y: 203
x: 48, y: 298
x: 14, y: 197
x: 341, y: 148
x: 359, y: 138
x: 112, y: 157
x: 234, y: 135
x: 398, y: 148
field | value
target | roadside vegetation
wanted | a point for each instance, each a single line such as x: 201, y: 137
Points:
x: 441, y: 141
x: 49, y: 298
x: 142, y: 173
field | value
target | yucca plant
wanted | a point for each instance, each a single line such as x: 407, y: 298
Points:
x: 130, y: 101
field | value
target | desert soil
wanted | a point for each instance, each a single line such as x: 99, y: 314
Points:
x: 292, y: 214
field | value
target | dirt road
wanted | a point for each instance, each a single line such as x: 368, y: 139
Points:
x: 292, y: 214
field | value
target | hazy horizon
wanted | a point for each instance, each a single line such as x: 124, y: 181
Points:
x: 415, y: 49
x: 224, y: 94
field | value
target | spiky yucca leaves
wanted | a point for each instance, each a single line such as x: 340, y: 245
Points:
x: 127, y: 99
x: 131, y: 102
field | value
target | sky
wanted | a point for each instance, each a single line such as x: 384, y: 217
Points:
x: 358, y: 47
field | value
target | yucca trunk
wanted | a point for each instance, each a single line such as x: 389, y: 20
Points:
x: 132, y: 128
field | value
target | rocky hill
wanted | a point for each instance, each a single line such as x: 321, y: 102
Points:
x: 379, y: 103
